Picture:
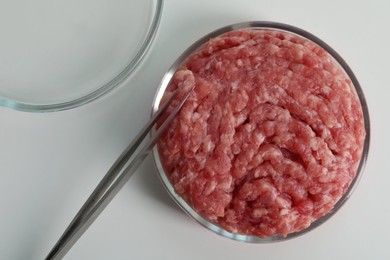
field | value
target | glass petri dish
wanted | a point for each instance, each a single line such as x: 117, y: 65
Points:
x: 273, y: 26
x: 57, y: 55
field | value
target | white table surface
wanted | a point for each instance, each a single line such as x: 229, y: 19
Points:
x: 50, y: 162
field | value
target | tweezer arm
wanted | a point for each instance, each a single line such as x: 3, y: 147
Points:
x: 113, y: 181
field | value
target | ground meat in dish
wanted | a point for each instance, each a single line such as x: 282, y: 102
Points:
x: 270, y: 138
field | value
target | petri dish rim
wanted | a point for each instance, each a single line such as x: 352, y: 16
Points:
x: 268, y: 25
x: 98, y: 92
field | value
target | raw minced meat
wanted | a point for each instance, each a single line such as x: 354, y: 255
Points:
x: 270, y: 138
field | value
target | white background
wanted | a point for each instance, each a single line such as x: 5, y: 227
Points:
x: 50, y: 163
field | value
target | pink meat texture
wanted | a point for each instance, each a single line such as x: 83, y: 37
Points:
x: 270, y: 138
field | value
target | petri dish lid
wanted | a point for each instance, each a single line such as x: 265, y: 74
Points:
x: 56, y: 55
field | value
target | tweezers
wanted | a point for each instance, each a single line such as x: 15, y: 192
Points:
x: 116, y: 177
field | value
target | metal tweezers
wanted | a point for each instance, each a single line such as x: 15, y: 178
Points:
x: 115, y: 179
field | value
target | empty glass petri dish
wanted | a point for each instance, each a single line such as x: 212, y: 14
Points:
x: 57, y: 55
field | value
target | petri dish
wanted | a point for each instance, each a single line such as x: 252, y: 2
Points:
x: 286, y: 29
x: 57, y: 55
